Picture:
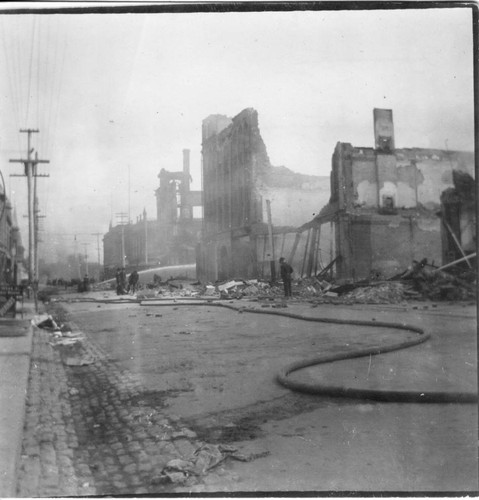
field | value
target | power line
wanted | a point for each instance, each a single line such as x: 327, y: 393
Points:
x: 34, y: 22
x: 30, y: 166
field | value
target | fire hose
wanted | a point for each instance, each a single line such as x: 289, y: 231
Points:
x: 404, y: 396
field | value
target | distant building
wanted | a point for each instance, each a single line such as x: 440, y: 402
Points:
x: 170, y: 239
x: 179, y: 215
x: 385, y: 204
x: 251, y: 208
x: 140, y: 244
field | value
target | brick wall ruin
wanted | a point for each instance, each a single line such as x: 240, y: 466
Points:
x: 238, y: 183
x: 387, y: 202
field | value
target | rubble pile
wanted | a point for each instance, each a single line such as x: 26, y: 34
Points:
x: 435, y: 284
x: 418, y: 282
x: 379, y: 293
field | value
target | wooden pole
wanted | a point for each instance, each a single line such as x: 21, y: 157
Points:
x: 270, y: 234
x: 305, y: 252
x: 456, y: 241
x: 295, y: 246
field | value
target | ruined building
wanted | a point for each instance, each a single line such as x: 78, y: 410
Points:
x: 458, y: 213
x: 137, y: 241
x: 170, y: 239
x: 179, y: 215
x: 251, y: 208
x: 386, y: 205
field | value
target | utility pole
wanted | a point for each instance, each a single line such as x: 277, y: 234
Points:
x: 37, y: 236
x: 30, y: 173
x: 146, y: 235
x: 98, y: 251
x: 129, y: 195
x: 271, y: 241
x: 121, y: 216
x: 86, y: 258
x: 77, y: 257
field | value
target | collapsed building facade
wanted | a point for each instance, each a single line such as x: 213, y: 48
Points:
x: 170, y: 239
x: 385, y: 205
x: 179, y: 215
x: 251, y: 209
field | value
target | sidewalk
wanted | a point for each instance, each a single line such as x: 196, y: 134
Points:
x: 15, y: 351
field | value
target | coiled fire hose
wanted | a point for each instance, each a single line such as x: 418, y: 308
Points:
x: 283, y: 378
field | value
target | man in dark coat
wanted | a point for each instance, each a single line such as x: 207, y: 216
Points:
x: 133, y: 281
x: 123, y: 280
x: 286, y: 271
x: 119, y: 290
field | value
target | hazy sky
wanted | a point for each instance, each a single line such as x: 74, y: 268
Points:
x: 119, y: 93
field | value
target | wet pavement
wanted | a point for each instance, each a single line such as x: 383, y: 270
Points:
x: 166, y: 381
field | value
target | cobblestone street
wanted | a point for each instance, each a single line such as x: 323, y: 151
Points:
x: 87, y: 432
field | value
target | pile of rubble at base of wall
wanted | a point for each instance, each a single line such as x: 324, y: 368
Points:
x: 419, y: 282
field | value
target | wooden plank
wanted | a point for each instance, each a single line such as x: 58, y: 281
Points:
x: 305, y: 252
x: 311, y: 253
x: 317, y: 247
x: 295, y: 246
x: 456, y: 241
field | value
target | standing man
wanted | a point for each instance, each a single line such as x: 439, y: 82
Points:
x: 118, y: 281
x: 123, y: 280
x: 286, y: 271
x: 133, y: 281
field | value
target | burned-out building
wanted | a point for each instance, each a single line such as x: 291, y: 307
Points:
x: 179, y: 215
x: 138, y: 242
x: 458, y: 215
x: 386, y: 204
x: 251, y: 208
x: 170, y: 239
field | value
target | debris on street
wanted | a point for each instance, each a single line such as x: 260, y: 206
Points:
x: 204, y: 459
x: 435, y: 284
x: 420, y: 281
x: 73, y: 352
x: 380, y: 293
x: 46, y: 322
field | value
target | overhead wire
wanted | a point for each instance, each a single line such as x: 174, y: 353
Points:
x: 38, y: 47
x: 59, y: 88
x: 56, y: 92
x: 34, y: 23
x: 18, y: 67
x: 52, y: 57
x: 13, y: 88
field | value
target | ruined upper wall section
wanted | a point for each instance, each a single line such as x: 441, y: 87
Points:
x: 406, y: 178
x: 214, y: 124
x: 238, y: 178
x: 233, y: 152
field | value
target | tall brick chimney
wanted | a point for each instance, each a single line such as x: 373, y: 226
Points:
x: 383, y: 130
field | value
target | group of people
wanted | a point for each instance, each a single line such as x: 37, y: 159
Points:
x: 122, y: 285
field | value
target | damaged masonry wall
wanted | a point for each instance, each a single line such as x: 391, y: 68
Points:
x: 238, y: 181
x: 171, y: 239
x: 179, y: 216
x: 388, y: 201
